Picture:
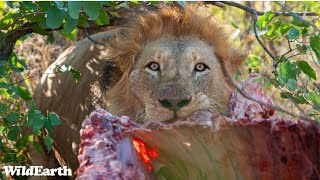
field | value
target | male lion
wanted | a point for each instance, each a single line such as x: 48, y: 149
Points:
x: 168, y: 64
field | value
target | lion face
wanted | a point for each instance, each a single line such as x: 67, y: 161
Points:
x: 174, y: 77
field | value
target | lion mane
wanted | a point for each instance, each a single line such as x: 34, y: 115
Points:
x: 176, y: 21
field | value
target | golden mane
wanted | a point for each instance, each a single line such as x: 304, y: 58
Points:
x: 128, y: 43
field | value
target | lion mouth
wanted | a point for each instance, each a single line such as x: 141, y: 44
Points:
x: 164, y: 111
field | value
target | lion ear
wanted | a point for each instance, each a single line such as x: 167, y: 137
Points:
x: 236, y: 59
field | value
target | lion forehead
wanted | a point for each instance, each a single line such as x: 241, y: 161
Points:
x: 172, y: 51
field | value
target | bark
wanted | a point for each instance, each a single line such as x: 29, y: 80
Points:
x: 8, y: 41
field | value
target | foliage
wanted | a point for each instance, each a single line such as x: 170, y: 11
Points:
x: 17, y: 111
x: 293, y: 74
x: 296, y: 74
x: 294, y: 42
x: 17, y: 117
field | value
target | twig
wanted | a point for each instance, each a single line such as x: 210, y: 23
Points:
x: 304, y: 85
x: 318, y: 88
x: 274, y: 58
x: 289, y: 45
x: 294, y: 55
x: 252, y: 11
x: 283, y: 55
x: 291, y: 99
x: 317, y: 64
x: 90, y: 38
x: 295, y: 15
x: 29, y: 77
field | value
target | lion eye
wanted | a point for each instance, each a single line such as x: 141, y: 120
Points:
x: 200, y: 67
x: 153, y: 66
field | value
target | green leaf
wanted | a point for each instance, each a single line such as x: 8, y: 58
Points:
x: 76, y: 74
x: 4, y: 85
x: 315, y: 45
x: 55, y: 17
x: 92, y: 9
x: 24, y: 141
x: 125, y: 5
x: 38, y: 123
x: 253, y: 61
x: 292, y: 70
x: 67, y: 68
x: 13, y: 133
x: 7, y: 158
x: 292, y: 84
x: 47, y: 125
x: 272, y: 32
x: 43, y: 5
x: 265, y: 19
x: 304, y: 31
x: 54, y: 120
x: 305, y: 67
x: 3, y: 175
x: 74, y: 8
x: 297, y: 99
x: 3, y: 129
x: 234, y: 24
x: 103, y: 18
x: 284, y: 28
x: 293, y: 33
x: 181, y: 3
x: 39, y: 30
x: 70, y: 24
x: 51, y: 38
x: 71, y: 36
x: 36, y: 18
x: 12, y: 117
x: 303, y: 49
x: 29, y: 5
x: 33, y: 114
x: 314, y: 97
x: 83, y: 22
x: 24, y: 93
x: 4, y: 71
x: 37, y: 146
x: 11, y: 5
x: 48, y: 141
x: 63, y: 68
x: 59, y: 4
x: 288, y: 71
x: 15, y: 64
x: 283, y: 73
x: 299, y: 23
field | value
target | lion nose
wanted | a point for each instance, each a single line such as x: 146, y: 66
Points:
x: 174, y: 104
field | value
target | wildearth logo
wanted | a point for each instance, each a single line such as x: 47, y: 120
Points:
x: 37, y: 171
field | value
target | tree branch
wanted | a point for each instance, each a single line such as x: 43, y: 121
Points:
x: 274, y: 58
x: 8, y: 41
x: 256, y: 13
x: 30, y: 77
x: 295, y: 15
x: 285, y: 94
x: 259, y: 13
